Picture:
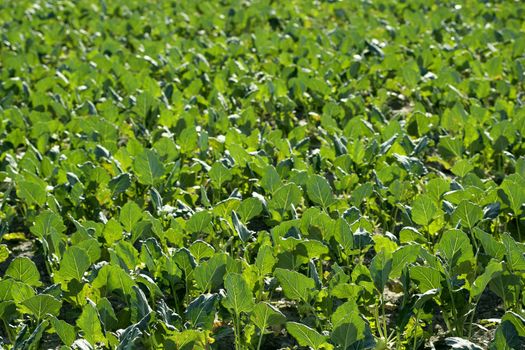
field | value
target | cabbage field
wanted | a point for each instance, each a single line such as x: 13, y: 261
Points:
x: 261, y: 174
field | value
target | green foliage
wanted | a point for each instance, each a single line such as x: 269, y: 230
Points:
x: 333, y: 174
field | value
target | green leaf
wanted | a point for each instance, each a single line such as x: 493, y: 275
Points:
x: 201, y: 311
x: 493, y: 269
x: 238, y: 296
x: 199, y: 222
x: 427, y: 277
x: 250, y: 208
x: 201, y: 250
x: 423, y: 298
x: 243, y: 233
x: 265, y: 260
x: 47, y: 222
x: 219, y: 174
x: 148, y: 167
x: 264, y: 315
x: 139, y: 305
x: 285, y: 196
x: 92, y: 248
x: 21, y: 291
x: 455, y: 247
x: 43, y: 304
x: 296, y: 286
x: 185, y: 261
x: 113, y: 231
x: 33, y: 341
x: 124, y: 254
x: 506, y: 337
x: 412, y: 165
x: 6, y: 286
x: 270, y: 180
x: 305, y: 335
x: 107, y: 314
x: 348, y: 325
x: 74, y: 263
x: 64, y: 330
x: 403, y: 257
x: 113, y: 278
x: 209, y: 275
x: 89, y: 324
x: 490, y: 245
x: 130, y: 214
x: 380, y: 268
x: 343, y: 235
x: 468, y: 214
x: 32, y: 193
x: 187, y: 340
x: 24, y: 270
x: 410, y: 234
x: 515, y: 259
x: 319, y: 191
x: 133, y: 332
x: 423, y: 210
x: 119, y: 184
x: 462, y: 167
x: 314, y: 248
x: 4, y: 253
x: 513, y: 188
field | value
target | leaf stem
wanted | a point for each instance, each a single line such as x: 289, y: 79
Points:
x: 415, y: 330
x: 260, y: 340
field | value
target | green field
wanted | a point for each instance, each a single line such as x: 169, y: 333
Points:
x: 249, y: 175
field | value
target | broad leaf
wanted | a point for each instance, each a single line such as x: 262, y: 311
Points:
x: 74, y: 263
x: 238, y: 296
x: 296, y: 286
x: 343, y: 235
x: 43, y: 304
x: 209, y: 275
x: 130, y: 214
x: 89, y: 324
x: 427, y: 277
x: 349, y: 327
x: 380, y: 268
x: 47, y: 222
x: 319, y: 191
x: 32, y: 192
x: 265, y: 260
x: 403, y: 257
x: 64, y: 330
x: 219, y: 174
x: 285, y: 196
x: 423, y: 210
x: 250, y: 208
x: 148, y: 167
x: 490, y: 245
x: 243, y: 233
x: 264, y: 315
x: 119, y: 184
x: 493, y: 269
x: 515, y: 258
x: 468, y: 214
x: 270, y: 180
x: 199, y: 222
x: 24, y: 270
x: 455, y: 247
x: 305, y: 335
x: 201, y: 311
x: 201, y: 250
